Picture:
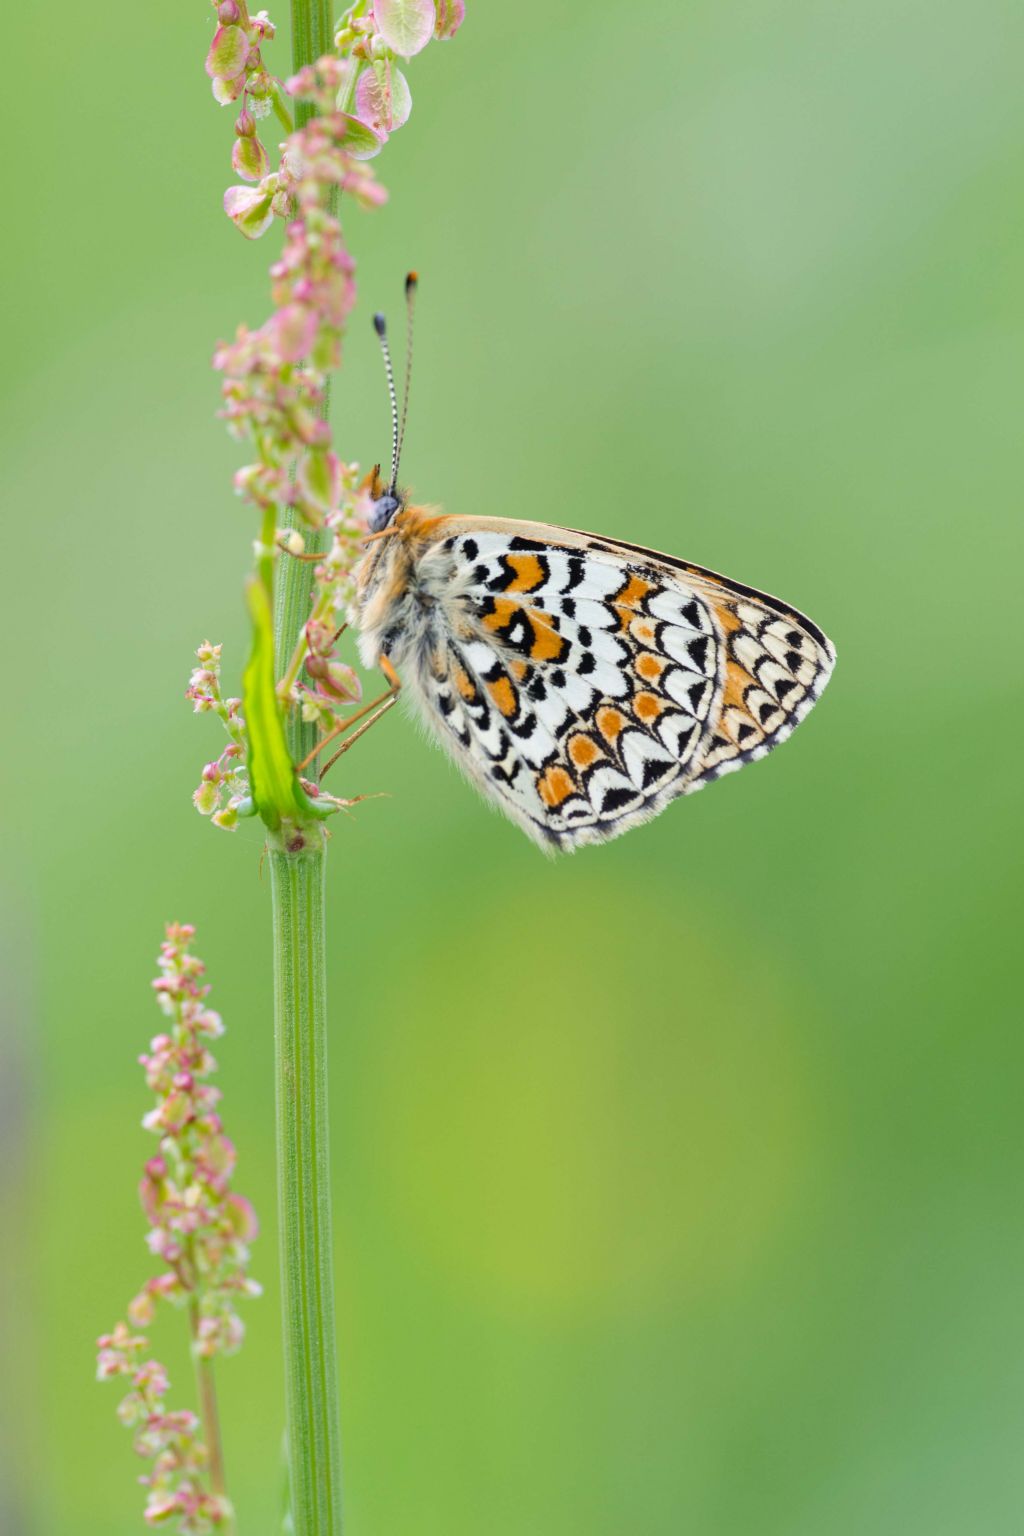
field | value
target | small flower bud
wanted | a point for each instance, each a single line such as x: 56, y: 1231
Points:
x: 141, y: 1309
x: 342, y: 682
x: 206, y: 798
x: 294, y: 332
x: 228, y: 12
x: 161, y: 1507
x: 249, y: 159
x: 245, y: 124
x: 261, y: 102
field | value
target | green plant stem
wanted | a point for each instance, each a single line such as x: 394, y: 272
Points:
x: 297, y: 857
x: 312, y: 36
x: 304, y: 1198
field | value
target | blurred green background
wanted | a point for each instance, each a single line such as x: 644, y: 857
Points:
x: 677, y: 1183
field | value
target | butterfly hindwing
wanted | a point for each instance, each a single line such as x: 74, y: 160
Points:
x: 577, y: 687
x: 582, y: 683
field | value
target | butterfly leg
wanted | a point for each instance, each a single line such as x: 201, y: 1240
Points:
x: 392, y: 698
x: 380, y: 704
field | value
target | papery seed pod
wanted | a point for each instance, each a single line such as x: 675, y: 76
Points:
x: 405, y: 25
x: 229, y: 53
x: 450, y: 16
x: 249, y: 158
x: 227, y: 91
x: 383, y: 98
x: 249, y: 209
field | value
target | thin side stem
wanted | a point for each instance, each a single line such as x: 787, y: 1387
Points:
x: 304, y: 1198
x: 206, y: 1386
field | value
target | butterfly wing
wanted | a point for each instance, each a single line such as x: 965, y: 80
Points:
x: 776, y: 663
x: 583, y: 683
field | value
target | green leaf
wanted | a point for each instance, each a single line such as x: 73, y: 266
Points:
x: 274, y: 782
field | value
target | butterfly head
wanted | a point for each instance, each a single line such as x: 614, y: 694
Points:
x: 387, y: 500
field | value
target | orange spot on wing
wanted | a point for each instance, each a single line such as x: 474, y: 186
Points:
x: 737, y: 681
x: 647, y: 706
x: 518, y: 669
x: 555, y: 786
x: 464, y: 683
x: 584, y: 750
x: 734, y: 711
x: 503, y: 695
x: 546, y: 643
x: 503, y: 611
x: 610, y: 722
x: 529, y: 573
x: 649, y: 667
x: 628, y: 600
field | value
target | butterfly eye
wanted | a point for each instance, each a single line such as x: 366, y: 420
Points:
x: 384, y: 509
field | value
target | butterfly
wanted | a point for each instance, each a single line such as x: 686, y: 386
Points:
x: 580, y: 682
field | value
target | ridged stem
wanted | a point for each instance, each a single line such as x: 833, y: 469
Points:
x: 312, y: 1425
x: 304, y: 1196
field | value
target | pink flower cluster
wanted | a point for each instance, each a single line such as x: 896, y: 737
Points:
x: 273, y: 387
x: 200, y: 1229
x: 178, y: 1483
x: 274, y: 377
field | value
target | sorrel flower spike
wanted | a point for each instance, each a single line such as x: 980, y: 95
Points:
x: 200, y: 1229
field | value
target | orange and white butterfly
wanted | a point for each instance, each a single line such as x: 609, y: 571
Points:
x: 579, y: 682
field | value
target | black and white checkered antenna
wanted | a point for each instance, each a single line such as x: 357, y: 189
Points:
x: 380, y: 325
x: 410, y: 304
